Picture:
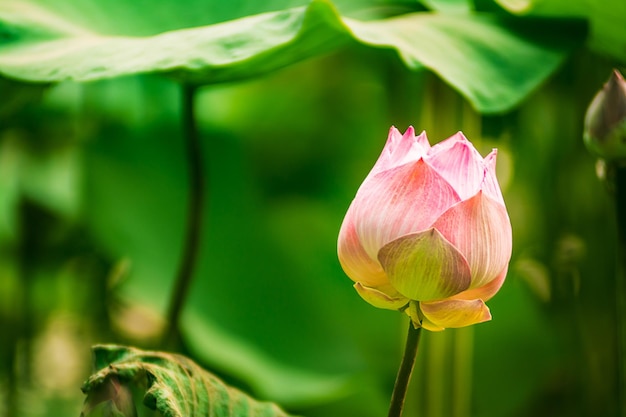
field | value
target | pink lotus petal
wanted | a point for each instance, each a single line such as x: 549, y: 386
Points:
x: 400, y: 149
x: 383, y: 297
x: 456, y: 160
x: 422, y: 141
x: 419, y: 147
x: 397, y: 202
x: 454, y: 313
x: 486, y: 292
x: 480, y: 229
x: 356, y: 263
x: 425, y: 266
x: 490, y: 182
x: 386, y: 158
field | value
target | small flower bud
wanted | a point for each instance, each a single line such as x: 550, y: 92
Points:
x: 605, y: 121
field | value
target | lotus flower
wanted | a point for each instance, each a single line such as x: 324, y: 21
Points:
x: 428, y: 232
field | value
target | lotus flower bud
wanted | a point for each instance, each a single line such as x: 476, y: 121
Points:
x: 605, y: 121
x: 428, y: 232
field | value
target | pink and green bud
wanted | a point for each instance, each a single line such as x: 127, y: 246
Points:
x: 428, y: 232
x: 605, y: 121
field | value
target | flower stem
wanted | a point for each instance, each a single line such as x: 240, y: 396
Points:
x: 620, y: 284
x: 404, y: 373
x: 194, y: 215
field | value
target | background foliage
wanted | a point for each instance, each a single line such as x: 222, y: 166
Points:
x: 93, y: 193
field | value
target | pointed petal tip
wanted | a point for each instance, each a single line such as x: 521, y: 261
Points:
x: 422, y: 138
x: 616, y: 76
x: 394, y: 133
x: 459, y: 136
x: 459, y: 142
x: 490, y: 159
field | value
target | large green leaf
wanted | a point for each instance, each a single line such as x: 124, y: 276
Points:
x: 606, y: 19
x: 494, y: 66
x: 493, y: 62
x: 43, y: 46
x: 174, y: 385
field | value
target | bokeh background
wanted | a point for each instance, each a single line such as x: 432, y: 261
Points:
x: 93, y: 196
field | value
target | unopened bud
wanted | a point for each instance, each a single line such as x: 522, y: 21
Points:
x: 605, y: 121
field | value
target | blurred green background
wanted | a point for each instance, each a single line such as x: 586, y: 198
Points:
x: 93, y: 195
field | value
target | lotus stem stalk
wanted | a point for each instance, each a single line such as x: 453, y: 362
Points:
x: 404, y: 372
x: 194, y: 217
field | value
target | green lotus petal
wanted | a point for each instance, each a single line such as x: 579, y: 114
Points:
x: 425, y: 266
